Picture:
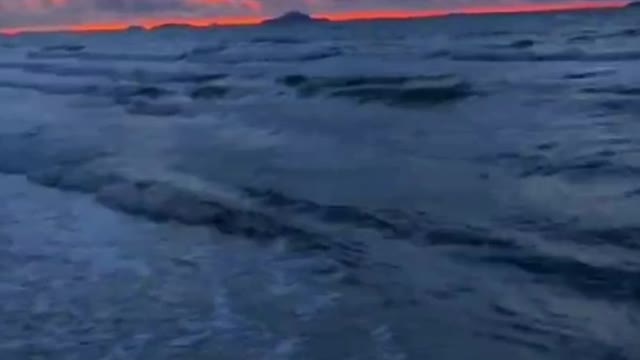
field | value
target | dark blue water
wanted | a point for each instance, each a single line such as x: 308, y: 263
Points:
x: 456, y: 188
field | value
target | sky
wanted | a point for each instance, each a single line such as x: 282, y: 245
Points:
x: 17, y: 15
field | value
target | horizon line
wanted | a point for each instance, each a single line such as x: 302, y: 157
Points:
x: 368, y: 15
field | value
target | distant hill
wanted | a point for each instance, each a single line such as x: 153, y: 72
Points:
x: 179, y: 26
x: 135, y: 28
x: 293, y: 17
x: 634, y: 4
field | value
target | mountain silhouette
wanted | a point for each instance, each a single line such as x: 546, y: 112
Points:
x: 294, y: 17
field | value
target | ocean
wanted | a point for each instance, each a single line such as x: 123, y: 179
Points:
x: 464, y: 187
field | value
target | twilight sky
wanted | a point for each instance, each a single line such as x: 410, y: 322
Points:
x: 42, y: 14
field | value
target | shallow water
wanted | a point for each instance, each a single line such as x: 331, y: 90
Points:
x: 440, y: 189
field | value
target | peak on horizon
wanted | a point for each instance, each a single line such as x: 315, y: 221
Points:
x: 294, y: 17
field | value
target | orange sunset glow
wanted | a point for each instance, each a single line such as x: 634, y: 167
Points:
x: 255, y: 9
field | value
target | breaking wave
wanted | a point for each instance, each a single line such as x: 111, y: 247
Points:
x: 78, y: 52
x: 114, y: 73
x: 604, y: 163
x: 535, y: 56
x: 590, y: 280
x: 264, y: 52
x: 395, y: 91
